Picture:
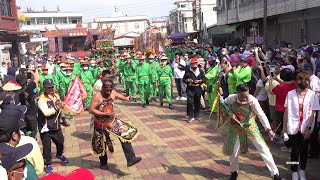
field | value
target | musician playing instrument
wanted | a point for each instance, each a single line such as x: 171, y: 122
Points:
x: 102, y: 108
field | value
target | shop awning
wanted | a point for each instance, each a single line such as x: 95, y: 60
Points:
x: 178, y: 36
x: 231, y: 28
x: 224, y: 29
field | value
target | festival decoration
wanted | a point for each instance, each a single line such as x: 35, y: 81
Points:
x: 73, y: 100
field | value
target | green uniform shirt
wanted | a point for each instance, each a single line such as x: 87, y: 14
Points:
x: 232, y: 82
x: 129, y: 72
x: 165, y: 75
x: 212, y: 75
x: 86, y: 78
x: 244, y: 74
x: 143, y: 73
x: 154, y: 71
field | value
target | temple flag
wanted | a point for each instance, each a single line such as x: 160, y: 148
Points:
x: 73, y: 100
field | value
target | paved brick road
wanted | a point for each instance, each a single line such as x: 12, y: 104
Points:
x: 170, y: 147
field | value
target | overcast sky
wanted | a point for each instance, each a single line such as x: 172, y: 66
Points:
x: 98, y: 8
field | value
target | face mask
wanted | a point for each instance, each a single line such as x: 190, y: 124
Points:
x: 151, y: 61
x: 303, y: 85
x: 223, y: 53
x: 186, y: 57
x: 39, y: 68
x: 69, y: 74
x: 93, y: 65
x: 194, y: 68
x: 86, y: 68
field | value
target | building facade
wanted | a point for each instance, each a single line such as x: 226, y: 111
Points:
x: 181, y: 18
x: 42, y: 21
x: 124, y: 24
x: 293, y: 21
x: 160, y: 24
x: 204, y: 17
x: 10, y: 36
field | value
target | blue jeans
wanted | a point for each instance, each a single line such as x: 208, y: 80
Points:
x: 180, y: 87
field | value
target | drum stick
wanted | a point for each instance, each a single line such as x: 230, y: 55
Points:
x: 58, y: 115
x: 277, y: 127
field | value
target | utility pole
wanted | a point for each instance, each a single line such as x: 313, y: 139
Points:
x: 265, y: 16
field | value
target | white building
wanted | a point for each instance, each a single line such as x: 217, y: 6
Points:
x: 124, y: 24
x: 181, y: 18
x: 160, y: 24
x: 204, y: 17
x: 41, y: 21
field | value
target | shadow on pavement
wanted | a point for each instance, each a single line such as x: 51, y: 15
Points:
x: 202, y: 171
x: 82, y: 135
x: 176, y: 117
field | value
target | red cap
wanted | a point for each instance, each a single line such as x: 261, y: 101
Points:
x: 193, y: 60
x: 44, y: 67
x: 141, y: 57
x: 74, y: 175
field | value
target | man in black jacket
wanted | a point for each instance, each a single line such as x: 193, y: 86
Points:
x: 194, y: 77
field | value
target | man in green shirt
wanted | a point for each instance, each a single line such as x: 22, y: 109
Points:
x: 129, y: 71
x: 154, y: 65
x: 245, y: 72
x: 232, y: 78
x: 165, y: 81
x: 87, y: 80
x: 44, y: 75
x: 143, y: 73
x: 212, y: 81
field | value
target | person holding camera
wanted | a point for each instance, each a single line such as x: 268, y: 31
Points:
x: 49, y: 106
x: 194, y: 78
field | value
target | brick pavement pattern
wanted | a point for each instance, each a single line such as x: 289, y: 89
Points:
x: 170, y: 147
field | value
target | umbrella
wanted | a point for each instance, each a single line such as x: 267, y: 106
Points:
x: 178, y: 36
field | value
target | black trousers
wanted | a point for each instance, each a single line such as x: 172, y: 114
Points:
x: 299, y: 149
x: 280, y: 116
x: 127, y: 150
x: 58, y: 140
x: 314, y: 144
x: 193, y: 103
x: 32, y: 124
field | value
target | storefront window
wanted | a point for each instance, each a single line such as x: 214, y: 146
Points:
x: 5, y: 8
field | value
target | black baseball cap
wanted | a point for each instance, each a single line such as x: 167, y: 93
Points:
x: 48, y: 83
x: 4, y: 95
x: 10, y: 118
x: 10, y: 155
x: 276, y: 63
x: 307, y: 67
x: 21, y: 79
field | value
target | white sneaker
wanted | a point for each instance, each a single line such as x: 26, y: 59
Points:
x: 178, y: 98
x: 190, y: 120
x: 285, y: 149
x: 183, y: 98
x: 295, y: 176
x: 302, y: 175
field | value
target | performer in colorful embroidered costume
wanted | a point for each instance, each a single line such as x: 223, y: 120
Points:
x: 243, y: 109
x: 105, y: 123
